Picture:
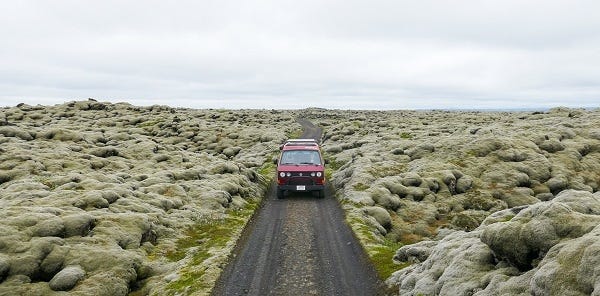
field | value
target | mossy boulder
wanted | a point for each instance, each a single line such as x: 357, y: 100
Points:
x: 532, y: 232
x: 381, y: 215
x: 11, y: 131
x: 67, y: 278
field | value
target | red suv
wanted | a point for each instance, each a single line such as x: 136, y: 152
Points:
x: 300, y: 167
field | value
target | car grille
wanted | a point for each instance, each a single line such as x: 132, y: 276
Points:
x: 300, y: 181
x: 302, y: 174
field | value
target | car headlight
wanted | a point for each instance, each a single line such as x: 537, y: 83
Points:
x: 312, y: 174
x: 288, y: 174
x: 319, y: 174
x: 282, y: 174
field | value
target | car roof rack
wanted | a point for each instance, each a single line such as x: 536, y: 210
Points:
x: 300, y: 142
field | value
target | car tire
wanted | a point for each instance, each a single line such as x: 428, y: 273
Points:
x: 321, y: 193
x: 279, y: 193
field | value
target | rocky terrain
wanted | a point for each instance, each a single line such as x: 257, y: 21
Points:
x: 477, y: 203
x: 113, y: 199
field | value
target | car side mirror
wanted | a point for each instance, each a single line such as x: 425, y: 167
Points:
x: 326, y: 161
x: 275, y: 160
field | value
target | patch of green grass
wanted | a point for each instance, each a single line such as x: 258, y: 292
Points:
x: 189, y: 282
x: 331, y: 168
x: 328, y: 173
x: 334, y: 164
x: 387, y: 170
x: 197, y: 243
x: 405, y: 135
x: 267, y: 170
x: 363, y: 232
x: 203, y: 235
x: 381, y: 255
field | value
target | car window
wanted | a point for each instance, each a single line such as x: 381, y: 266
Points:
x: 301, y: 157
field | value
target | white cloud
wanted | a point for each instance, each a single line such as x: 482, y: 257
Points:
x: 295, y: 54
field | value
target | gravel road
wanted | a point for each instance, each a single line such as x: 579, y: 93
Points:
x: 299, y: 245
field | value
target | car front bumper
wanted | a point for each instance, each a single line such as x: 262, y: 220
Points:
x: 301, y: 188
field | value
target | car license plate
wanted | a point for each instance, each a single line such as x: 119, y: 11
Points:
x: 300, y: 187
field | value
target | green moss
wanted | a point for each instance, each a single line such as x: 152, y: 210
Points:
x: 405, y: 135
x: 51, y: 185
x: 569, y: 266
x: 477, y: 201
x: 472, y: 153
x: 267, y: 170
x: 328, y: 173
x: 148, y: 123
x: 364, y: 233
x: 138, y: 293
x: 381, y: 255
x: 196, y: 246
x: 360, y: 187
x: 294, y: 134
x: 334, y: 164
x: 464, y: 221
x: 189, y: 282
x: 458, y: 162
x: 204, y: 235
x: 389, y: 170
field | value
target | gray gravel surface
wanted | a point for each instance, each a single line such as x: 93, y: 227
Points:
x: 299, y: 245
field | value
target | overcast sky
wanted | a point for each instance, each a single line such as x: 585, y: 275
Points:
x: 295, y: 54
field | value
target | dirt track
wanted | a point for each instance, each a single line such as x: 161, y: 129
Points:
x: 299, y: 245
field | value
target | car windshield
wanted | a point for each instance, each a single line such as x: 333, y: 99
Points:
x: 301, y: 157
